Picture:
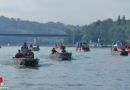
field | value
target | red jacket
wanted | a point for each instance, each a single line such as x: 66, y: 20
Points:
x: 63, y: 51
x: 53, y: 51
x: 18, y: 55
x: 30, y: 54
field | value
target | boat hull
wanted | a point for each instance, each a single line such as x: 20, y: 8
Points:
x: 121, y: 53
x: 61, y: 56
x: 35, y: 49
x: 83, y: 49
x: 26, y: 61
x: 128, y: 50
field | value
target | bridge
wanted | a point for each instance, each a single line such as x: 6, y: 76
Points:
x: 37, y: 35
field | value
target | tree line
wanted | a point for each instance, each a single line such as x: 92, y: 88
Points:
x: 107, y: 30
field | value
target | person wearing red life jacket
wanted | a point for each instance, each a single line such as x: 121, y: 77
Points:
x: 54, y: 51
x: 25, y: 45
x: 115, y: 49
x: 63, y: 50
x: 29, y: 54
x: 24, y: 48
x: 123, y: 49
x: 19, y: 54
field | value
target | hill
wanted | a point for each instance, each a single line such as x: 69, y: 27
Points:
x: 16, y: 25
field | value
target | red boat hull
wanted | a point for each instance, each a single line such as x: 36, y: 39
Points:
x: 61, y: 56
x: 83, y: 49
x: 122, y: 53
x: 26, y: 61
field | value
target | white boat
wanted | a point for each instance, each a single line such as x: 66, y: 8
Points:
x: 35, y: 47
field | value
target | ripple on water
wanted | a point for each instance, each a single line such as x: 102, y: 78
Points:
x: 94, y: 70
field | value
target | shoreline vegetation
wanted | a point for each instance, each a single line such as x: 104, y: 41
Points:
x: 107, y: 31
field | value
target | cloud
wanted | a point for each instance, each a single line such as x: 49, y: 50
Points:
x: 68, y: 11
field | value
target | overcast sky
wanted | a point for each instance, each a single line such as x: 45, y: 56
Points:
x: 76, y: 12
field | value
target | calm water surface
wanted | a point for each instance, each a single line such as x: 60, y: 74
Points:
x: 94, y: 70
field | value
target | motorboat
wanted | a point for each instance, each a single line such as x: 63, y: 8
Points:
x: 118, y: 49
x: 34, y: 47
x: 85, y: 49
x: 121, y: 53
x: 61, y: 56
x: 25, y: 57
x: 59, y: 46
x: 26, y: 61
x: 127, y: 48
x: 82, y: 47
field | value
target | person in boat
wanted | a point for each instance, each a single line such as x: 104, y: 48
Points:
x: 77, y: 46
x: 63, y: 50
x: 25, y: 45
x: 31, y: 45
x: 122, y: 49
x: 19, y: 54
x: 115, y: 49
x: 80, y: 46
x: 29, y: 54
x: 24, y: 48
x: 54, y: 51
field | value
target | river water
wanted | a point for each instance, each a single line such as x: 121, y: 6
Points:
x: 94, y: 70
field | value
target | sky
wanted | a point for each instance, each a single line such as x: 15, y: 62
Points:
x: 75, y: 12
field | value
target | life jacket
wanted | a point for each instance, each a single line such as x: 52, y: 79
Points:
x: 123, y: 49
x: 53, y: 51
x: 18, y: 55
x: 63, y: 51
x: 1, y: 80
x: 115, y: 49
x: 29, y: 54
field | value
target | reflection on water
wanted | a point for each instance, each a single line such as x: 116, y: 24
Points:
x: 94, y: 70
